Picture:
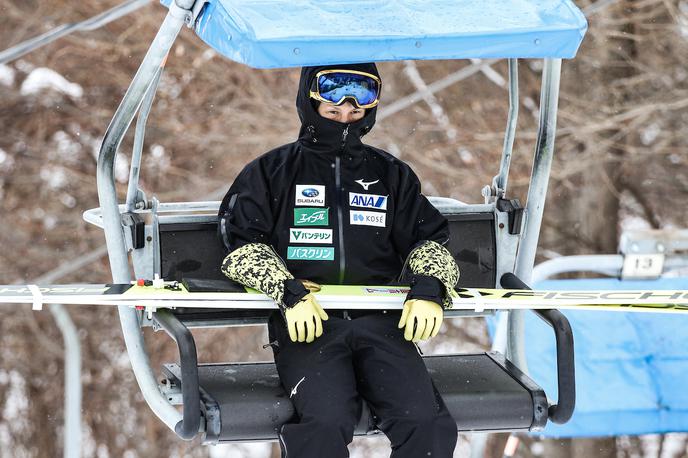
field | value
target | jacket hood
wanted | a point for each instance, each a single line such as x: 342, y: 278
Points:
x: 325, y: 135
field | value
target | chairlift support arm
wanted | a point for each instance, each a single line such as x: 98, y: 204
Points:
x: 499, y: 182
x: 180, y: 12
x: 535, y: 204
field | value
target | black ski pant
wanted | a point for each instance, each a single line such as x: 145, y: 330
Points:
x: 365, y: 357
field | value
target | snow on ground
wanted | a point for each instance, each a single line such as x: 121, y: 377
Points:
x: 66, y: 149
x: 650, y: 133
x: 160, y: 158
x: 683, y: 19
x: 6, y: 75
x: 43, y: 78
x: 54, y: 176
x: 122, y: 168
x: 6, y: 161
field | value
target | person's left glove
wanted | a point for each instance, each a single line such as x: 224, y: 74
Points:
x: 304, y: 319
x: 421, y: 318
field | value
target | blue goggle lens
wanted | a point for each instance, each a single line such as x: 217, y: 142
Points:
x: 336, y: 87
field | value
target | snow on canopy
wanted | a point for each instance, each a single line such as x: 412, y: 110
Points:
x: 630, y: 367
x: 273, y: 34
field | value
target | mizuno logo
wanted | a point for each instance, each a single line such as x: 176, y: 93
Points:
x: 364, y: 184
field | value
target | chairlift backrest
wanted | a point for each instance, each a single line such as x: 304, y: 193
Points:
x: 190, y: 246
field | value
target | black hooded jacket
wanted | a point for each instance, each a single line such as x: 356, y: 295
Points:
x: 335, y: 210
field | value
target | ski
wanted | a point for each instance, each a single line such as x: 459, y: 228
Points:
x: 345, y: 297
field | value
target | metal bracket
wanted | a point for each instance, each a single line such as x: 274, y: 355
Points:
x: 515, y: 211
x: 187, y: 9
x: 645, y: 251
x: 136, y: 225
x: 195, y: 12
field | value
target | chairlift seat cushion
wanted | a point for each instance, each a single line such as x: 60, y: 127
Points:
x: 483, y: 392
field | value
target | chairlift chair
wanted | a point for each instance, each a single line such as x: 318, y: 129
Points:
x: 492, y: 241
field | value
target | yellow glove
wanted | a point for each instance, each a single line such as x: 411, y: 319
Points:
x: 304, y: 319
x: 427, y: 317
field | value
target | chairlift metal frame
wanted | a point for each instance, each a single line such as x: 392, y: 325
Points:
x: 122, y: 223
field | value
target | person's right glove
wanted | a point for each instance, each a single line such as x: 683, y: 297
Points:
x: 304, y: 319
x: 425, y: 316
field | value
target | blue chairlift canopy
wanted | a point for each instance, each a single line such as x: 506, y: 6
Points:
x: 294, y: 33
x: 631, y: 368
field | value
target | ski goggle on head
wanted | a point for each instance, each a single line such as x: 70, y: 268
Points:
x: 337, y: 86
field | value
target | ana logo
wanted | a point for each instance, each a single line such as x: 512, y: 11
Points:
x: 310, y: 192
x: 368, y: 201
x: 364, y: 184
x: 311, y: 216
x: 311, y: 195
x: 310, y: 235
x: 362, y: 218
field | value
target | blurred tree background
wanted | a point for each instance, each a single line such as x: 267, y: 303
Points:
x: 621, y: 159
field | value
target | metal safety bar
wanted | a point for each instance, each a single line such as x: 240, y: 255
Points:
x: 562, y: 411
x: 189, y: 426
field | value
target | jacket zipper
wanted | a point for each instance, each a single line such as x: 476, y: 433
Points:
x: 338, y: 185
x: 282, y: 443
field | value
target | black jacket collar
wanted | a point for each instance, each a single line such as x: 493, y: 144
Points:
x: 323, y: 135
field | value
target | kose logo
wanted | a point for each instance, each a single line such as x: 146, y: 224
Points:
x: 310, y: 192
x: 364, y: 218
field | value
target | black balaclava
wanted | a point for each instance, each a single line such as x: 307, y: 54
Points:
x: 325, y: 135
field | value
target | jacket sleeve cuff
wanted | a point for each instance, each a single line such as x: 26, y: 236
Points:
x: 426, y: 288
x: 257, y: 266
x: 294, y: 291
x: 433, y: 260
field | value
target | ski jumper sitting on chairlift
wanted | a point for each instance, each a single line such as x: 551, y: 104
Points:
x: 329, y: 209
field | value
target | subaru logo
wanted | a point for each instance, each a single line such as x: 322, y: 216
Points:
x: 310, y: 192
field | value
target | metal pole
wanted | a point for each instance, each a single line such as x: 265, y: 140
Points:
x: 499, y: 182
x: 114, y: 236
x: 133, y: 194
x: 537, y: 193
x: 93, y: 23
x: 72, y: 405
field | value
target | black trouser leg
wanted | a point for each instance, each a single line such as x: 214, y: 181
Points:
x: 393, y: 379
x: 320, y: 381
